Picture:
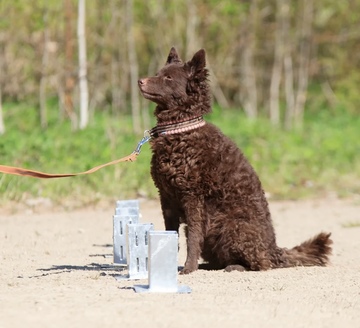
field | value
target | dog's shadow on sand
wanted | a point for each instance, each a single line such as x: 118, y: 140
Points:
x: 102, y: 269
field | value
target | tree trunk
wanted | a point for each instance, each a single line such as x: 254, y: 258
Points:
x: 2, y: 125
x: 69, y: 57
x: 134, y: 75
x: 192, y: 22
x: 84, y: 93
x: 216, y: 89
x: 249, y: 78
x: 119, y: 70
x: 289, y: 91
x: 304, y: 60
x: 249, y: 94
x: 43, y: 78
x: 288, y: 67
x: 116, y: 94
x: 274, y: 106
x: 191, y: 44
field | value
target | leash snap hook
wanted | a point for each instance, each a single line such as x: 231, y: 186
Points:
x: 145, y: 139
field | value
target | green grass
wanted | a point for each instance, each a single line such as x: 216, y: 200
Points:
x: 321, y: 158
x: 60, y: 150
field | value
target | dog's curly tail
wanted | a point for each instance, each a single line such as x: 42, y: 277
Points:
x: 313, y: 252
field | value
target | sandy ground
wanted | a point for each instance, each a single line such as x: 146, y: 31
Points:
x: 51, y: 275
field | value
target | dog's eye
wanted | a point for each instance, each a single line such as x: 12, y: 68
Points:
x: 168, y: 77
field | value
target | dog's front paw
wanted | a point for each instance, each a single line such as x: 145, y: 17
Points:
x: 188, y: 269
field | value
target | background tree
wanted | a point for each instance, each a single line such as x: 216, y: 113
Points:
x: 2, y: 74
x: 274, y: 58
x: 43, y: 73
x: 83, y: 86
x: 248, y: 70
x: 305, y: 36
x: 2, y: 125
x: 134, y: 72
x: 279, y: 45
x: 67, y: 95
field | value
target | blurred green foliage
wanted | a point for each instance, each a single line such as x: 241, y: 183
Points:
x: 157, y: 25
x: 321, y: 158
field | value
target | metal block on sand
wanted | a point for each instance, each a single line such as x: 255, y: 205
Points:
x: 163, y: 264
x: 126, y: 212
x: 138, y: 251
x: 127, y: 207
x: 119, y: 237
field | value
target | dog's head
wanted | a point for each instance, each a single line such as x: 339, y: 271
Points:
x: 179, y: 87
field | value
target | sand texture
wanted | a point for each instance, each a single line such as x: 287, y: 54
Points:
x: 52, y: 275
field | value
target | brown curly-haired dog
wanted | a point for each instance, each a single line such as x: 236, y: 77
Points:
x: 205, y: 181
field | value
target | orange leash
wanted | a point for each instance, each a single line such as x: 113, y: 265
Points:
x: 41, y: 175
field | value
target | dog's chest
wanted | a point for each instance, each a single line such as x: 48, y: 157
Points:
x: 174, y: 165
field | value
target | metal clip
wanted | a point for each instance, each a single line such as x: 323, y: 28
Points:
x: 144, y: 140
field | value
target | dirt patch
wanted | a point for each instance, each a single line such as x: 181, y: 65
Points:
x: 51, y: 275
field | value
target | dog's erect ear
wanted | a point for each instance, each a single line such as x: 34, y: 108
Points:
x: 198, y: 62
x: 173, y: 57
